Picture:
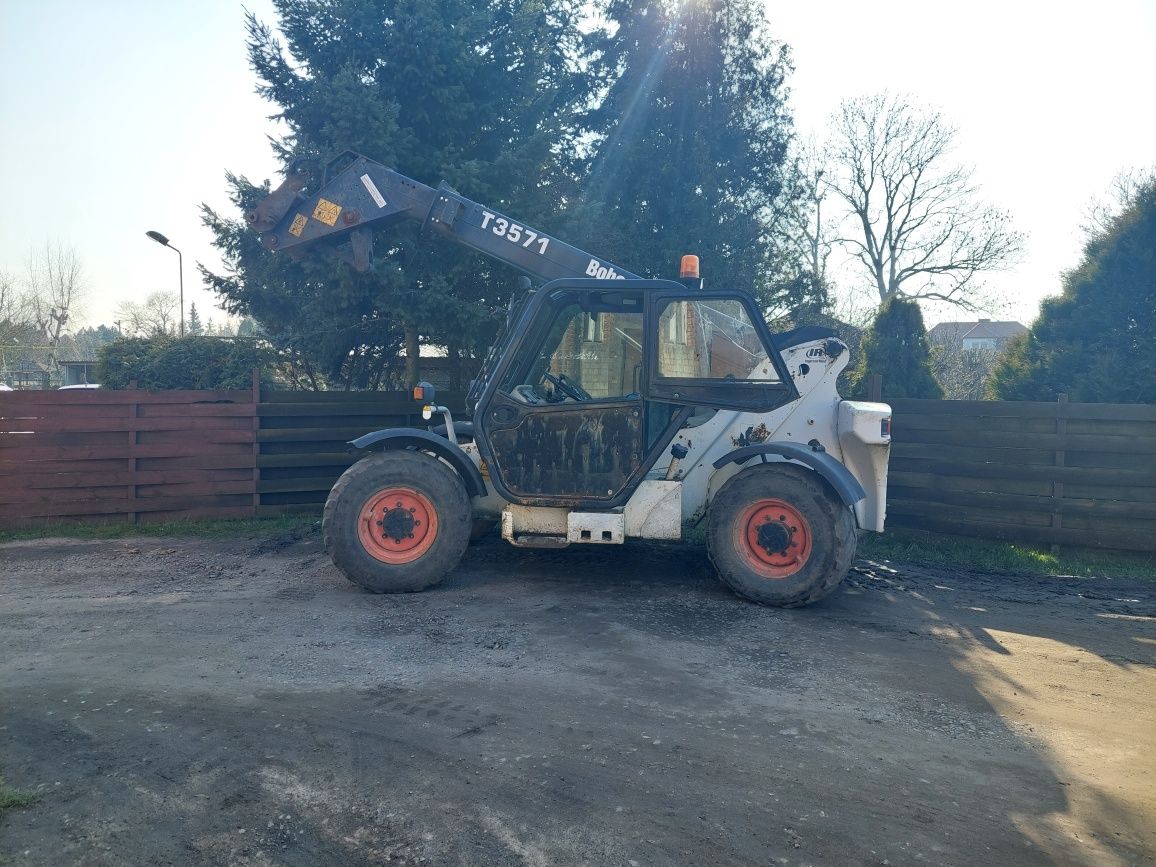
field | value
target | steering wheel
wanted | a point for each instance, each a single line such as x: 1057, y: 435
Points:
x: 567, y: 388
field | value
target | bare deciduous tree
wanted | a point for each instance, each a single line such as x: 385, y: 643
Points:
x: 10, y: 301
x: 913, y: 217
x: 55, y: 287
x: 812, y: 231
x: 156, y: 316
x: 963, y: 374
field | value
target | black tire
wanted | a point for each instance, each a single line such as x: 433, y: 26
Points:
x: 432, y: 487
x: 793, y: 562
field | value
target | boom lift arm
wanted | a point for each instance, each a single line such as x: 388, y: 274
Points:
x: 357, y: 195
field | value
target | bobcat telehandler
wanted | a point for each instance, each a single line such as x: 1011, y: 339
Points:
x: 612, y: 407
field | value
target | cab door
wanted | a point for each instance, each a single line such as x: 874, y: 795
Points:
x: 563, y: 422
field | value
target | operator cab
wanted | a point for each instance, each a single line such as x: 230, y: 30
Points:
x: 597, y: 376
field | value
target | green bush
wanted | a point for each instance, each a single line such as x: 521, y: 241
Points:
x: 195, y: 362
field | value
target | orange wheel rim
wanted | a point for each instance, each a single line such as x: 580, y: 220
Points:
x: 397, y: 525
x: 774, y: 538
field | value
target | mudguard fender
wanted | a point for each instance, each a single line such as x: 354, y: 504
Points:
x: 414, y: 438
x: 837, y: 475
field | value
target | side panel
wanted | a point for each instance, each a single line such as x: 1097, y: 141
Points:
x: 865, y: 435
x: 655, y: 510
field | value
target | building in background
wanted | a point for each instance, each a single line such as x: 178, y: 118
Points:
x: 963, y: 354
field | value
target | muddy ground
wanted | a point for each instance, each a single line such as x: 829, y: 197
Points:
x: 185, y: 701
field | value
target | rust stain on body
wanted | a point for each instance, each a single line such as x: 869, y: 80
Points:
x: 752, y: 436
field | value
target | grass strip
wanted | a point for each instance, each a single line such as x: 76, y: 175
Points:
x: 937, y: 549
x: 11, y: 799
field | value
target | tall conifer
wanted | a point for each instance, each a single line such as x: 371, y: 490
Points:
x: 692, y: 141
x: 480, y: 94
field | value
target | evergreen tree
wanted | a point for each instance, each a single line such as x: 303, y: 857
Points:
x: 693, y: 140
x: 195, y: 327
x: 896, y: 348
x: 478, y: 93
x: 1094, y: 342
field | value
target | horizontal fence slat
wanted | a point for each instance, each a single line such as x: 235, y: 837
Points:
x: 123, y: 506
x: 911, y: 429
x: 68, y: 496
x: 173, y: 515
x: 1022, y: 409
x: 1016, y: 440
x: 979, y: 454
x: 971, y: 469
x: 108, y: 397
x: 317, y: 434
x: 319, y: 409
x: 76, y: 423
x: 69, y: 481
x: 307, y: 459
x: 160, y: 450
x: 971, y: 409
x: 995, y: 484
x: 362, y: 422
x: 448, y: 398
x: 305, y: 483
x: 12, y: 447
x: 1046, y: 504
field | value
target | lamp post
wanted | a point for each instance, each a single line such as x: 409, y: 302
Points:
x: 163, y: 241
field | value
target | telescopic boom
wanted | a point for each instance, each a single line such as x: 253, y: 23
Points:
x: 357, y: 195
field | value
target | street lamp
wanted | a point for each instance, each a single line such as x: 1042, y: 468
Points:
x: 162, y: 240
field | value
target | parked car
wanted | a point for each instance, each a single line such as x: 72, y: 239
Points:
x: 85, y: 385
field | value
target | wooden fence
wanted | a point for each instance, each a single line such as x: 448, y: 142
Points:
x: 304, y: 440
x: 1072, y: 474
x: 96, y: 454
x: 1081, y: 475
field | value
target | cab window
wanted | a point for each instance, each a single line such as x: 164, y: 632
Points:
x: 590, y: 350
x: 711, y: 339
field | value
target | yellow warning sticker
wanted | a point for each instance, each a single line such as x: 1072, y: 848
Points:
x: 326, y: 211
x: 298, y: 225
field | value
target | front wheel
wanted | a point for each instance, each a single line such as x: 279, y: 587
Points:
x: 397, y: 521
x: 779, y: 536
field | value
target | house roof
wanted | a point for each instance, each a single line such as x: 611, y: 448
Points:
x: 997, y: 330
x: 983, y: 329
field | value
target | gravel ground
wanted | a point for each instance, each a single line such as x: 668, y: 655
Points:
x: 190, y: 701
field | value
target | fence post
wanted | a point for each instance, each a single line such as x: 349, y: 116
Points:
x: 1061, y: 458
x: 133, y: 442
x: 256, y: 398
x: 875, y: 387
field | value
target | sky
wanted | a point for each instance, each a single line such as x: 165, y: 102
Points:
x: 121, y: 116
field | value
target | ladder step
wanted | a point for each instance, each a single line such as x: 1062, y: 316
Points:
x: 540, y: 541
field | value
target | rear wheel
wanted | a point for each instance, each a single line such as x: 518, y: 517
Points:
x: 397, y: 521
x: 778, y: 535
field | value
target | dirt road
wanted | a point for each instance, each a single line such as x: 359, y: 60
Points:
x: 193, y: 702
